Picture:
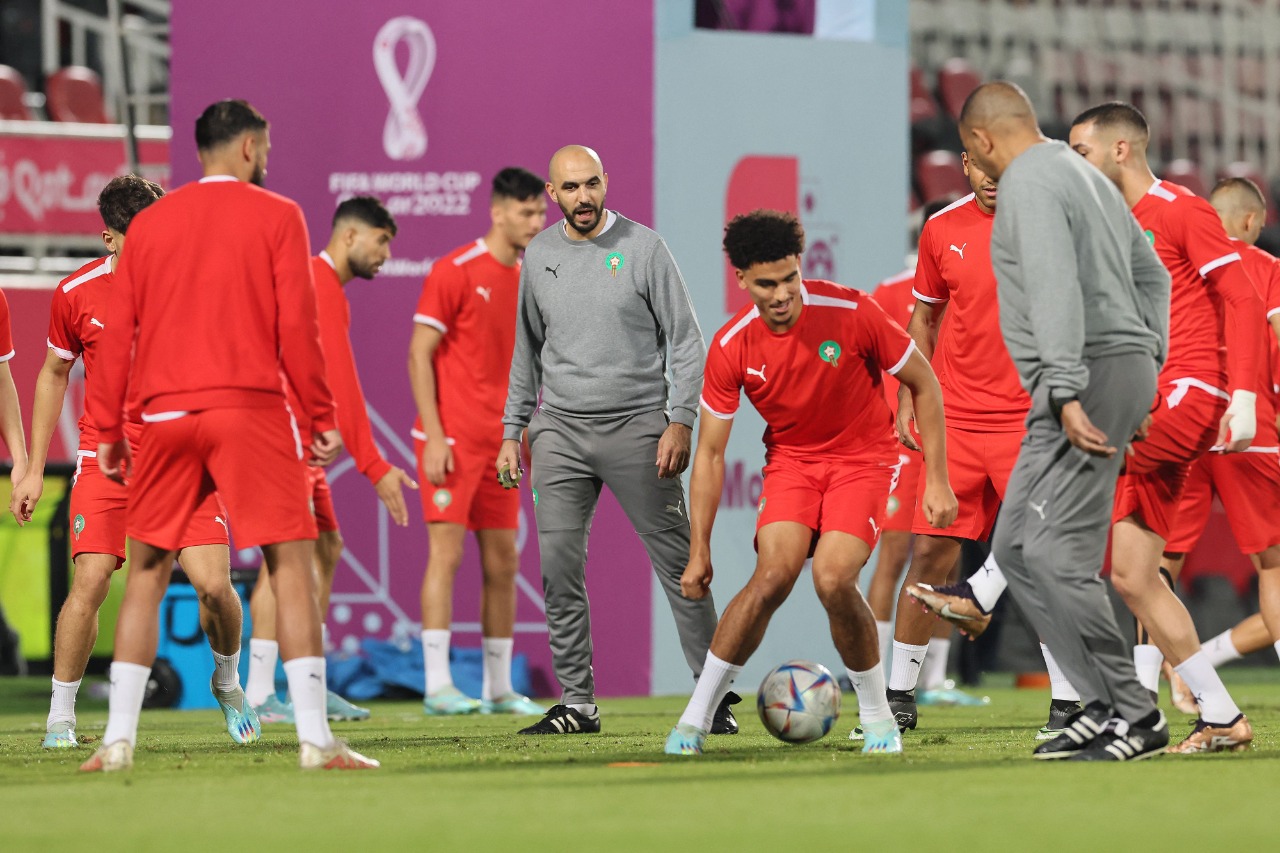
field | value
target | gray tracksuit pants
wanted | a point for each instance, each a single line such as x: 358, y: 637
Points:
x: 572, y: 458
x: 1052, y: 533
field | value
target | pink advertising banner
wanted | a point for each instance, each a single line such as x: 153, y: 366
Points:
x: 420, y: 103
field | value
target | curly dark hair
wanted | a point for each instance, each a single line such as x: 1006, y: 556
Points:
x: 124, y: 198
x: 762, y: 237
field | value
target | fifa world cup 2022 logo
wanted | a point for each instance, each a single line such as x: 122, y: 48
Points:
x: 404, y: 136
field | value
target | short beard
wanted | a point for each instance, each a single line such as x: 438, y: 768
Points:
x: 259, y: 177
x: 360, y: 269
x: 573, y: 223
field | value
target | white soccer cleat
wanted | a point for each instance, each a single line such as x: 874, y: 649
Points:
x: 110, y: 758
x: 339, y: 756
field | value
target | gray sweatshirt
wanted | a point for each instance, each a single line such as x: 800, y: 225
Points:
x: 1076, y: 277
x: 593, y: 326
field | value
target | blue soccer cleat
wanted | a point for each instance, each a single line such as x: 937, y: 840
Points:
x: 61, y: 735
x: 242, y: 721
x: 338, y: 709
x: 512, y: 703
x: 449, y: 701
x: 274, y: 710
x: 685, y: 740
x: 882, y: 736
x: 951, y: 696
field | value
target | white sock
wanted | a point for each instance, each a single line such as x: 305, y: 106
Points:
x: 988, y: 584
x: 1216, y: 704
x: 1221, y: 650
x: 884, y: 630
x: 1059, y: 686
x: 226, y: 672
x: 497, y: 667
x: 907, y: 660
x: 435, y: 658
x: 308, y: 691
x: 712, y: 685
x: 1277, y: 647
x: 869, y: 685
x: 128, y: 687
x: 587, y: 709
x: 62, y: 704
x: 934, y: 674
x: 261, y: 684
x: 1147, y: 659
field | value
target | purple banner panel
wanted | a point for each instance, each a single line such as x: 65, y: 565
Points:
x: 420, y: 103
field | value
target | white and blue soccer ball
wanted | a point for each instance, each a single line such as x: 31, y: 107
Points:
x: 799, y: 701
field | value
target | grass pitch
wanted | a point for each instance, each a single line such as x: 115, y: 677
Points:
x: 964, y: 783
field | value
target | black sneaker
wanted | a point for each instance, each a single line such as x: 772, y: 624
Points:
x: 1060, y: 713
x: 1125, y: 742
x: 1081, y: 730
x: 563, y: 720
x: 724, y: 723
x: 903, y: 705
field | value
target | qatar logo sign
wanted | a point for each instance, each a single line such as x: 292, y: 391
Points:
x: 404, y: 136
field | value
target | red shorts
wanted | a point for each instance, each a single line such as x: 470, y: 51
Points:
x: 1248, y: 484
x: 470, y: 494
x: 844, y: 495
x: 900, y: 510
x: 251, y: 457
x: 979, y: 465
x: 99, y: 507
x: 1155, y: 474
x: 321, y: 500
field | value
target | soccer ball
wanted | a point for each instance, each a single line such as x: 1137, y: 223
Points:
x: 799, y: 701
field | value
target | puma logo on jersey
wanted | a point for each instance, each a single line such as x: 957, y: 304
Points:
x: 959, y: 250
x: 96, y: 322
x: 751, y: 371
x: 554, y: 272
x: 218, y: 519
x: 484, y: 291
x: 1039, y: 509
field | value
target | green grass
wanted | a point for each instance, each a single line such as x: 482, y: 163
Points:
x: 965, y: 783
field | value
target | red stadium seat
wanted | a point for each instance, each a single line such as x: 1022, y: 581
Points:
x: 12, y: 90
x: 1187, y: 174
x: 956, y: 81
x: 1245, y: 169
x: 940, y: 173
x: 922, y: 106
x: 75, y: 94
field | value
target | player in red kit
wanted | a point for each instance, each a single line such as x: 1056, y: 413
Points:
x: 459, y: 361
x: 98, y: 504
x: 202, y: 336
x: 809, y: 355
x: 10, y: 412
x: 359, y: 244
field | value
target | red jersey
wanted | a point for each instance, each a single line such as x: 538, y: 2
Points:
x: 980, y: 385
x: 334, y: 314
x: 75, y: 331
x: 895, y: 297
x: 214, y: 295
x: 818, y: 384
x: 1213, y: 320
x: 471, y: 298
x: 6, y: 331
x: 1264, y: 271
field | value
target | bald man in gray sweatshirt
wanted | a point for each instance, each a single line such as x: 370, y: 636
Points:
x: 603, y: 316
x: 1084, y: 308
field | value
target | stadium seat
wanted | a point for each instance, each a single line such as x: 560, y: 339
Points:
x: 1245, y: 169
x: 12, y: 90
x: 922, y: 107
x: 956, y: 80
x: 1187, y: 174
x: 75, y: 94
x: 939, y: 173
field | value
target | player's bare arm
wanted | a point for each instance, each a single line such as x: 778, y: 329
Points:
x: 437, y: 457
x: 938, y: 501
x: 11, y: 423
x: 705, y: 485
x: 673, y: 451
x: 114, y: 458
x: 390, y: 489
x: 926, y: 320
x: 51, y: 388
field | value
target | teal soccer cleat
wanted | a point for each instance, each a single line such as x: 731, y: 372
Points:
x: 242, y: 721
x: 685, y: 740
x: 512, y: 703
x: 450, y: 701
x: 881, y: 736
x: 951, y: 696
x: 61, y: 735
x: 274, y: 710
x: 338, y: 709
